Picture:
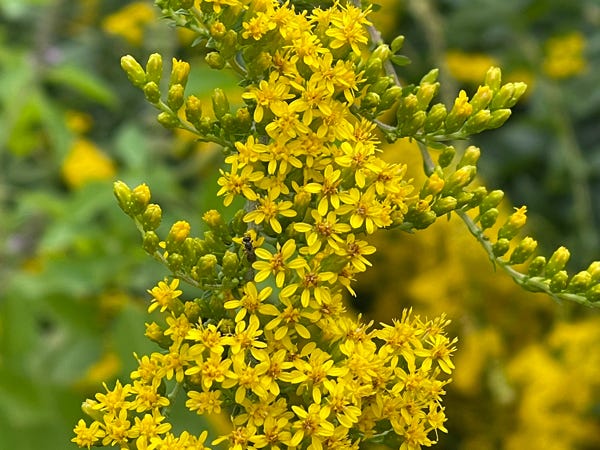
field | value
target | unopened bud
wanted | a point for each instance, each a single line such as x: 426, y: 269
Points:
x: 168, y: 120
x: 150, y: 242
x: 557, y: 261
x: 536, y: 266
x: 151, y: 217
x: 425, y: 94
x: 580, y: 282
x: 193, y: 110
x: 179, y: 72
x: 134, y: 70
x: 493, y: 78
x: 382, y: 52
x: 491, y: 200
x: 370, y: 100
x: 593, y: 294
x: 432, y: 186
x: 459, y: 113
x: 175, y: 97
x: 488, y: 218
x: 498, y: 118
x: 220, y: 103
x: 140, y: 197
x: 594, y: 270
x: 230, y: 264
x: 152, y: 92
x: 558, y: 283
x: 447, y: 155
x: 520, y: 89
x: 444, y: 205
x: 154, y: 68
x: 430, y: 77
x: 503, y: 96
x: 482, y: 98
x: 408, y: 106
x: 180, y: 230
x: 459, y: 179
x: 513, y: 224
x: 435, y: 118
x: 389, y: 97
x: 373, y: 70
x: 207, y: 265
x: 410, y: 127
x: 215, y: 60
x: 174, y: 262
x: 500, y: 247
x: 123, y: 194
x: 523, y: 251
x: 478, y: 122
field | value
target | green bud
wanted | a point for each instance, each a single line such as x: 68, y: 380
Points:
x: 470, y: 157
x: 478, y: 122
x: 410, y: 127
x: 520, y: 89
x: 479, y: 193
x: 557, y: 261
x: 179, y: 72
x: 523, y: 251
x: 168, y: 120
x: 389, y: 97
x: 580, y: 282
x: 463, y: 198
x: 408, y: 106
x: 174, y: 262
x: 593, y: 294
x: 193, y: 110
x: 397, y: 44
x: 151, y: 217
x: 134, y: 70
x: 423, y: 219
x: 493, y: 78
x: 140, y: 197
x: 370, y: 100
x: 220, y: 103
x: 152, y: 92
x: 231, y: 264
x: 513, y: 224
x: 491, y: 200
x: 498, y: 118
x: 430, y: 77
x: 482, y: 98
x: 425, y: 94
x: 500, y: 247
x: 382, y: 52
x: 175, y: 97
x: 459, y: 179
x: 444, y: 205
x: 154, y: 68
x: 435, y: 118
x: 150, y: 242
x: 189, y: 250
x: 503, y: 96
x: 536, y: 266
x: 215, y: 60
x: 447, y: 155
x: 594, y: 270
x: 373, y: 70
x: 217, y: 30
x: 123, y: 194
x: 380, y: 86
x: 207, y: 266
x: 229, y: 44
x: 558, y: 283
x: 488, y: 218
x: 192, y: 311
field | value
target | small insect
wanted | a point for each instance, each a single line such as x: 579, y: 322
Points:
x: 249, y: 248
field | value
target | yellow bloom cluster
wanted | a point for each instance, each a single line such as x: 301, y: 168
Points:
x: 269, y: 340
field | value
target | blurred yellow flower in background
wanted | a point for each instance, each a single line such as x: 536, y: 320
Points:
x: 469, y: 67
x: 86, y: 162
x: 129, y: 21
x: 564, y: 56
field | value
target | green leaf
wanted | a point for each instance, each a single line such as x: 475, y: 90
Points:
x: 83, y: 82
x: 400, y: 60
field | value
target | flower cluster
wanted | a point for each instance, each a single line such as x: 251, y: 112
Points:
x: 267, y: 339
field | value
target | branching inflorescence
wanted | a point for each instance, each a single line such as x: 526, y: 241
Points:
x: 268, y: 340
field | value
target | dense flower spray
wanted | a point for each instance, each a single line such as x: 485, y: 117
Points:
x: 268, y: 339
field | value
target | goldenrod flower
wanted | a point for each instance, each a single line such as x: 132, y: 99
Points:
x: 275, y: 263
x: 233, y: 184
x: 323, y: 230
x: 85, y: 162
x: 87, y: 436
x: 268, y: 211
x: 164, y: 295
x: 252, y: 301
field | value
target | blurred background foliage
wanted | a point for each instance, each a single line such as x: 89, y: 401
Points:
x: 73, y: 276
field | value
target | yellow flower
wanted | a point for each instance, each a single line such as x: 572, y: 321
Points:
x: 233, y: 184
x: 348, y: 28
x: 565, y: 56
x: 87, y: 436
x: 251, y: 302
x: 275, y: 264
x: 268, y: 211
x: 312, y: 424
x: 129, y: 21
x: 164, y: 295
x: 86, y: 162
x: 323, y: 230
x: 205, y: 401
x: 270, y: 94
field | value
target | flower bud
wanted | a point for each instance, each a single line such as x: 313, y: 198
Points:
x: 380, y: 85
x: 406, y: 109
x: 500, y: 247
x: 373, y: 69
x: 520, y: 89
x: 432, y: 186
x: 140, y: 197
x: 229, y: 44
x: 523, y: 251
x: 491, y: 200
x: 594, y: 270
x: 559, y: 281
x: 168, y: 120
x: 243, y: 119
x: 513, y: 224
x: 230, y: 264
x: 463, y: 198
x: 151, y: 92
x: 459, y: 113
x: 134, y: 70
x: 150, y: 242
x: 192, y: 311
x: 580, y: 282
x: 220, y: 103
x: 389, y: 97
x: 123, y: 194
x: 498, y: 118
x: 180, y: 230
x: 482, y: 98
x: 370, y: 100
x: 152, y: 217
x: 174, y: 262
x: 447, y: 155
x: 215, y: 60
x: 422, y: 219
x: 435, y: 118
x: 425, y: 94
x: 593, y: 294
x: 175, y: 97
x: 469, y: 157
x: 193, y: 110
x: 536, y: 267
x: 217, y: 30
x: 179, y: 72
x: 154, y: 68
x: 493, y: 78
x: 382, y: 52
x: 444, y: 205
x: 459, y: 179
x: 488, y: 218
x: 410, y: 127
x: 207, y: 266
x: 479, y: 194
x: 557, y: 261
x: 478, y: 122
x: 503, y: 96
